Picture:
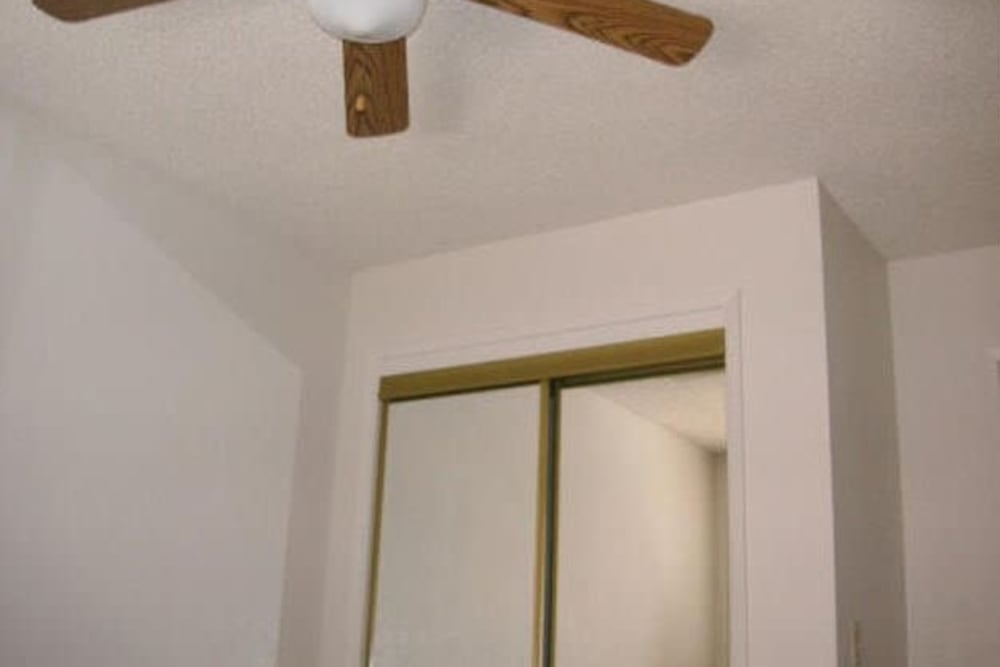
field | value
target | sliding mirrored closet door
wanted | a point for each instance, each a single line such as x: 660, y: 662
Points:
x: 456, y: 577
x: 642, y: 567
x: 563, y: 510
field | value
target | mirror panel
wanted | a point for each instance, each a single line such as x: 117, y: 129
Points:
x: 642, y: 563
x: 457, y: 556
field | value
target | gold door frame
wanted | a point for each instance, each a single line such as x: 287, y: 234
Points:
x: 700, y: 350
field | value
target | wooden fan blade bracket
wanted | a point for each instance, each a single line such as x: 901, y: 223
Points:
x: 375, y: 88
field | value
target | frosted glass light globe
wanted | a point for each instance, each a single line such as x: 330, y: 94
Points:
x: 368, y: 21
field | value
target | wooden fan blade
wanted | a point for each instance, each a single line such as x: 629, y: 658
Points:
x: 82, y: 10
x: 375, y: 88
x: 644, y: 27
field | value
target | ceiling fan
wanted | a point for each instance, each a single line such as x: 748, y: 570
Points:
x: 374, y: 35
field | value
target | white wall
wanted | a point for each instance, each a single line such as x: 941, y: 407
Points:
x: 867, y: 503
x: 638, y: 541
x: 151, y: 352
x: 751, y: 261
x: 946, y: 316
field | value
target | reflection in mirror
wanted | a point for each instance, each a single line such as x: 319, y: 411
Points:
x: 457, y: 559
x: 642, y: 568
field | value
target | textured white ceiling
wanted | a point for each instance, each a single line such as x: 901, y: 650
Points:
x: 895, y: 104
x: 692, y: 405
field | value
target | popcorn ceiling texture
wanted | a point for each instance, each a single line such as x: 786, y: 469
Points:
x: 516, y: 128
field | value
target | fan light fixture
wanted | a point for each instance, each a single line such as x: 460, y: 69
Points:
x: 368, y: 21
x: 373, y: 32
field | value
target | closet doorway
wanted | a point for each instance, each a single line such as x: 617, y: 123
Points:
x: 560, y: 510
